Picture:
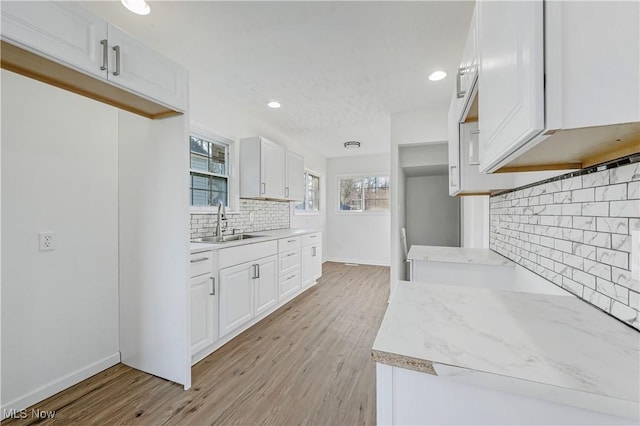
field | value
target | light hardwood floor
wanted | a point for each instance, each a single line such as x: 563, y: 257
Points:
x: 307, y: 364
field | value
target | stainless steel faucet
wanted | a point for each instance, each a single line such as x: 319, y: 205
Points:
x: 221, y: 215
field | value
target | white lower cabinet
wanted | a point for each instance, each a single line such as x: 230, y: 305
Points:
x: 311, y: 258
x: 236, y: 296
x: 266, y: 285
x: 204, y: 301
x: 247, y: 291
x: 204, y: 318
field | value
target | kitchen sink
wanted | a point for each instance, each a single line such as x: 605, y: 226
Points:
x: 224, y: 238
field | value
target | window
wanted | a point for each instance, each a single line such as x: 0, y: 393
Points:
x: 367, y: 193
x: 311, y: 201
x: 209, y: 172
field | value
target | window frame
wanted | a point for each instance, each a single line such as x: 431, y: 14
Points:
x: 229, y: 145
x: 362, y: 212
x: 306, y: 212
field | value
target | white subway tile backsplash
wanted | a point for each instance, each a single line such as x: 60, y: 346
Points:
x: 597, y: 299
x: 626, y: 173
x: 626, y: 208
x: 613, y: 225
x: 616, y: 292
x: 582, y: 195
x: 595, y: 179
x: 633, y: 191
x: 584, y: 222
x: 600, y: 239
x: 595, y: 209
x: 611, y: 192
x: 574, y: 232
x: 612, y: 257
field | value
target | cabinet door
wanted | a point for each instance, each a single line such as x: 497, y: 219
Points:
x: 511, y: 102
x: 60, y: 31
x: 295, y: 177
x: 272, y: 170
x: 454, y: 146
x: 266, y: 285
x: 137, y: 68
x: 308, y: 267
x: 236, y: 296
x: 316, y: 255
x: 203, y: 322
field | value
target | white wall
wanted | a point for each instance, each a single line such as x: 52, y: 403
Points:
x: 154, y: 246
x: 432, y: 216
x: 60, y: 174
x: 356, y: 237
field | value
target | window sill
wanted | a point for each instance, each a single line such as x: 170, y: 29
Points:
x: 361, y: 213
x: 306, y: 213
x: 210, y: 210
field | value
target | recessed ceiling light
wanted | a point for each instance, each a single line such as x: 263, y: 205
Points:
x: 273, y: 104
x: 437, y: 75
x: 352, y: 144
x: 139, y: 7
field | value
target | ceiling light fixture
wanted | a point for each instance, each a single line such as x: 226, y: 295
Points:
x: 437, y: 75
x: 352, y: 144
x: 273, y: 104
x: 139, y: 7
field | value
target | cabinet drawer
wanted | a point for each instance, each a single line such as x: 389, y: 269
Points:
x: 246, y: 253
x: 308, y: 239
x: 289, y: 285
x: 201, y: 263
x: 289, y: 262
x: 287, y: 244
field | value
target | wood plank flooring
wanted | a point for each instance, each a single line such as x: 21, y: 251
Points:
x: 307, y: 364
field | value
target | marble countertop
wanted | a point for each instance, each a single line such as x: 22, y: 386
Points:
x: 264, y: 236
x: 457, y: 255
x: 546, y: 346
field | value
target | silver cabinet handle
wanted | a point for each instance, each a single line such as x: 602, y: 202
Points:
x: 290, y: 254
x: 258, y: 265
x: 201, y: 259
x: 291, y: 277
x: 314, y: 251
x: 117, y: 50
x: 213, y: 286
x: 286, y: 192
x: 474, y: 158
x: 105, y: 55
x: 291, y: 241
x: 255, y: 271
x: 459, y: 92
x: 313, y: 236
x: 264, y: 187
x: 451, y: 174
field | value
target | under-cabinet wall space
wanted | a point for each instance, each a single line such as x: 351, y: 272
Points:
x: 575, y: 231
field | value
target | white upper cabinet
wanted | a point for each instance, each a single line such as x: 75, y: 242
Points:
x: 464, y: 175
x: 60, y: 31
x: 559, y: 89
x: 268, y: 171
x: 295, y: 177
x: 135, y: 67
x: 511, y: 77
x: 68, y: 34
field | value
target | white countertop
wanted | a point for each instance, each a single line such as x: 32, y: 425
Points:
x: 549, y: 345
x: 479, y: 256
x: 264, y: 236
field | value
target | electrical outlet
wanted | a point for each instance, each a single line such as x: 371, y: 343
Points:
x: 635, y: 254
x: 47, y: 241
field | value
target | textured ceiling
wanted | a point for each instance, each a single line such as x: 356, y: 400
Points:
x: 338, y: 68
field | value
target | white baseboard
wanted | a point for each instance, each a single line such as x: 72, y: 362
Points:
x: 60, y: 384
x: 358, y: 261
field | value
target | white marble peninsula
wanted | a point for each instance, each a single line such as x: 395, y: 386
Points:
x: 454, y: 354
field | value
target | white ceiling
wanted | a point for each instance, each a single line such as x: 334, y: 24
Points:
x: 340, y: 69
